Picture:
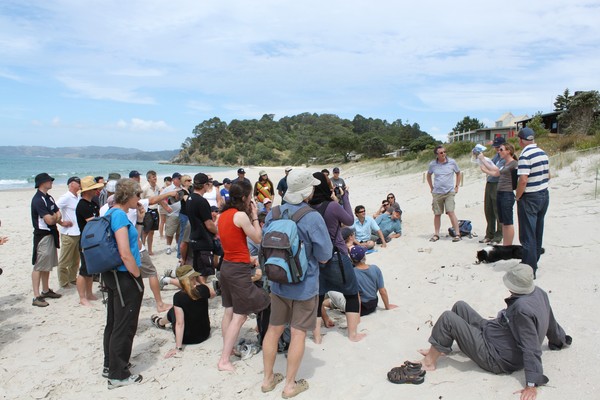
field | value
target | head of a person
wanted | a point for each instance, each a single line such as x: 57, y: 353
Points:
x: 167, y: 181
x: 99, y: 179
x: 391, y: 198
x: 151, y: 177
x: 507, y: 150
x: 214, y: 212
x: 360, y: 212
x: 111, y: 187
x: 241, y: 172
x: 186, y: 275
x: 498, y: 141
x: 74, y: 184
x: 336, y: 172
x: 200, y: 181
x: 396, y: 213
x: 322, y: 190
x: 301, y: 185
x: 216, y: 183
x: 325, y: 172
x: 385, y: 203
x: 287, y: 170
x: 186, y: 181
x: 358, y: 254
x: 526, y: 136
x: 227, y: 183
x: 263, y: 176
x: 114, y: 176
x: 240, y: 195
x: 440, y: 152
x: 126, y: 191
x: 348, y: 234
x: 176, y: 179
x: 519, y: 279
x: 135, y: 175
x: 210, y: 181
x: 89, y: 187
x: 43, y: 181
x: 261, y: 218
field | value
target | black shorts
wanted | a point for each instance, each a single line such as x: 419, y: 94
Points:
x: 203, y: 262
x: 83, y: 267
x: 150, y: 221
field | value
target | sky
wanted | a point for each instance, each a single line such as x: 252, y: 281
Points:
x: 143, y: 74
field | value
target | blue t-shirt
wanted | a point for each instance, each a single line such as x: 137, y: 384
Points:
x: 443, y: 180
x: 225, y: 194
x: 317, y: 244
x: 364, y: 230
x: 369, y: 282
x: 388, y: 225
x: 118, y: 220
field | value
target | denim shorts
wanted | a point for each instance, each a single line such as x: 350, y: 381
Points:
x: 505, y: 202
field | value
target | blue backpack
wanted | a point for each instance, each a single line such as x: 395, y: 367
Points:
x: 99, y: 245
x: 464, y: 226
x: 282, y: 255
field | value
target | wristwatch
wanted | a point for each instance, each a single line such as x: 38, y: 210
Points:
x: 531, y: 384
x: 179, y: 348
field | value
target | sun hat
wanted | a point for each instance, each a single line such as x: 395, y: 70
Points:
x: 357, y: 253
x: 498, y: 141
x: 262, y: 172
x: 527, y: 134
x: 88, y: 183
x: 42, y: 178
x: 301, y: 184
x: 111, y: 186
x: 114, y: 176
x: 519, y: 279
x: 186, y: 271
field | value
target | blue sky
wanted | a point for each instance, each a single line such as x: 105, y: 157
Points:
x: 143, y: 74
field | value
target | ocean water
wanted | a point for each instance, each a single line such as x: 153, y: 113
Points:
x: 19, y: 171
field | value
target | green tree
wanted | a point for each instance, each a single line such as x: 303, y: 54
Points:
x: 580, y: 117
x: 468, y: 124
x: 563, y: 101
x: 537, y: 124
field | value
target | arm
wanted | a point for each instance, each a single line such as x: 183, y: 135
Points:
x: 122, y: 237
x: 210, y: 226
x: 457, y: 182
x: 521, y: 186
x: 487, y: 166
x: 429, y: 181
x: 179, y: 329
x: 523, y: 329
x: 220, y: 200
x: 52, y: 219
x: 384, y: 296
x: 161, y: 198
x: 251, y: 228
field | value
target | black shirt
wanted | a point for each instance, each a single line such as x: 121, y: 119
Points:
x: 84, y: 211
x: 198, y: 211
x: 195, y: 314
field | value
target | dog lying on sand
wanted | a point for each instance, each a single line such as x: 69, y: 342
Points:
x: 495, y: 253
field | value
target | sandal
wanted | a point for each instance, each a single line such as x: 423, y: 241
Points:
x: 434, y: 238
x: 456, y: 239
x: 400, y: 375
x: 411, y: 368
x: 277, y: 378
x: 156, y: 322
x: 301, y: 386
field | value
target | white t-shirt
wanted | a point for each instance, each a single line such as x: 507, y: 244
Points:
x: 67, y: 203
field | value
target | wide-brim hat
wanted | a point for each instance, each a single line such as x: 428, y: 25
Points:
x: 519, y: 279
x: 88, y: 183
x: 42, y: 178
x: 301, y: 184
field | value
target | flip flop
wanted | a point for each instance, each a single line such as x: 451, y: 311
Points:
x: 155, y: 321
x: 301, y: 386
x: 277, y: 379
x: 434, y: 238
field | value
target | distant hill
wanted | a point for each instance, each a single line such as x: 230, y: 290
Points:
x: 96, y: 152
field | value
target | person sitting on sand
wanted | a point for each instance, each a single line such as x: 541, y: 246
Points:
x: 507, y: 343
x: 189, y: 316
x: 370, y: 281
x: 390, y: 224
x: 366, y: 229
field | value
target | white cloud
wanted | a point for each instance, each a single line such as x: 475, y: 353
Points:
x: 137, y: 124
x: 97, y: 91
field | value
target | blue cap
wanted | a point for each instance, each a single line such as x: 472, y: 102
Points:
x: 357, y: 253
x: 527, y: 134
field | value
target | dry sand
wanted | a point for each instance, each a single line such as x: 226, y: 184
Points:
x: 56, y: 352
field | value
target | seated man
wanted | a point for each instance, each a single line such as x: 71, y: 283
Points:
x: 511, y: 341
x: 391, y: 225
x: 364, y: 227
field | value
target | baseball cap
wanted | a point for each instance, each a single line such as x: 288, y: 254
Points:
x: 288, y: 169
x: 336, y: 170
x: 200, y: 179
x: 241, y: 171
x: 357, y: 253
x: 185, y: 271
x: 226, y: 180
x: 114, y: 176
x: 527, y: 134
x: 176, y: 175
x: 73, y: 179
x: 134, y: 174
x: 498, y: 141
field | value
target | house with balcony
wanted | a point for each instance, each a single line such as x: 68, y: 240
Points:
x: 505, y: 126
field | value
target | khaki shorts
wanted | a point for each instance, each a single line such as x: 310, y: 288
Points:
x: 443, y: 202
x: 300, y: 314
x: 172, y: 225
x: 147, y: 269
x: 47, y: 255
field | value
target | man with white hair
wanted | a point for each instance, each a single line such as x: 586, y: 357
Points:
x: 68, y: 262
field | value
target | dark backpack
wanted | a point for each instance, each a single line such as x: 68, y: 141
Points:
x: 515, y: 178
x: 282, y: 255
x: 99, y: 245
x: 464, y: 226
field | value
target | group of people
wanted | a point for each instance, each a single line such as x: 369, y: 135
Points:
x: 214, y: 234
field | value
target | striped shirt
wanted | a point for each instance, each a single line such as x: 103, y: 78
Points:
x: 533, y: 162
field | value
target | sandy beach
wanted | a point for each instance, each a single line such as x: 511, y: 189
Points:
x: 56, y: 352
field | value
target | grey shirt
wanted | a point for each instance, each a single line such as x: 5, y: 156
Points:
x: 505, y: 179
x: 443, y: 175
x: 515, y: 337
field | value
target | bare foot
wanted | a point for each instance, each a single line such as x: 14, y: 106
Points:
x: 358, y: 337
x: 426, y: 366
x: 423, y: 352
x: 85, y: 302
x: 91, y: 297
x: 318, y: 339
x: 328, y: 323
x: 228, y: 366
x: 163, y: 307
x: 150, y: 253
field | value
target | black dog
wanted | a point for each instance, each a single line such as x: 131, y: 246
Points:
x: 495, y: 253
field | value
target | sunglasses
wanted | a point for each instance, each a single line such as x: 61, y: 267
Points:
x: 360, y: 212
x: 441, y: 152
x: 139, y: 194
x: 391, y: 197
x: 386, y: 204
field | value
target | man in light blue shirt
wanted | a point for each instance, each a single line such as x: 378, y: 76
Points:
x: 390, y: 225
x: 365, y: 227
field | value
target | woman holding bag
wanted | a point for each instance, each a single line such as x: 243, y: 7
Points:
x: 338, y: 273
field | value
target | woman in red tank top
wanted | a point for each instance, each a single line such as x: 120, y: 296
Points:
x: 239, y: 295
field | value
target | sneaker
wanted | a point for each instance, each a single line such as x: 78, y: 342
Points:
x: 105, y: 370
x: 169, y: 251
x: 115, y: 383
x: 39, y: 302
x: 163, y: 281
x: 168, y: 273
x: 50, y: 295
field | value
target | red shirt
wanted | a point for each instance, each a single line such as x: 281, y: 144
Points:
x: 233, y: 238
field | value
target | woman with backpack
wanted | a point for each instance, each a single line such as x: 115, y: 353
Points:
x: 240, y: 297
x: 338, y: 274
x: 505, y: 197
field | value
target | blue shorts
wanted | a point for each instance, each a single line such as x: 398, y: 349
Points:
x: 505, y: 202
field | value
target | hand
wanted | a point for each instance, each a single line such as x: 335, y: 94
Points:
x: 171, y: 353
x: 141, y: 211
x: 383, y: 245
x: 67, y: 224
x: 3, y: 239
x: 529, y: 393
x: 456, y: 189
x: 257, y: 275
x: 391, y: 306
x: 253, y: 210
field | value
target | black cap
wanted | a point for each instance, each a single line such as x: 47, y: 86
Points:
x: 134, y: 174
x: 176, y: 175
x: 226, y: 180
x: 498, y: 141
x: 42, y: 178
x: 336, y: 170
x: 241, y: 171
x: 73, y: 178
x: 200, y: 179
x: 216, y: 183
x: 214, y: 209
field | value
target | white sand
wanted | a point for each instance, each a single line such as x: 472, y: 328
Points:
x: 56, y: 352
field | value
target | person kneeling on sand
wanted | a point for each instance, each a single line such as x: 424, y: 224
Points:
x: 507, y: 343
x: 189, y: 316
x: 370, y: 280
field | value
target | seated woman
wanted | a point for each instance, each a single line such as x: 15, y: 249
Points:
x: 189, y: 315
x: 370, y: 281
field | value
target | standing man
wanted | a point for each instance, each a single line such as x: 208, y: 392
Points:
x: 203, y: 229
x: 68, y: 263
x: 443, y: 189
x: 532, y: 197
x: 225, y: 191
x: 282, y: 186
x: 172, y: 221
x: 44, y: 216
x: 339, y: 186
x: 296, y: 304
x: 493, y: 231
x: 151, y: 219
x: 241, y: 176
